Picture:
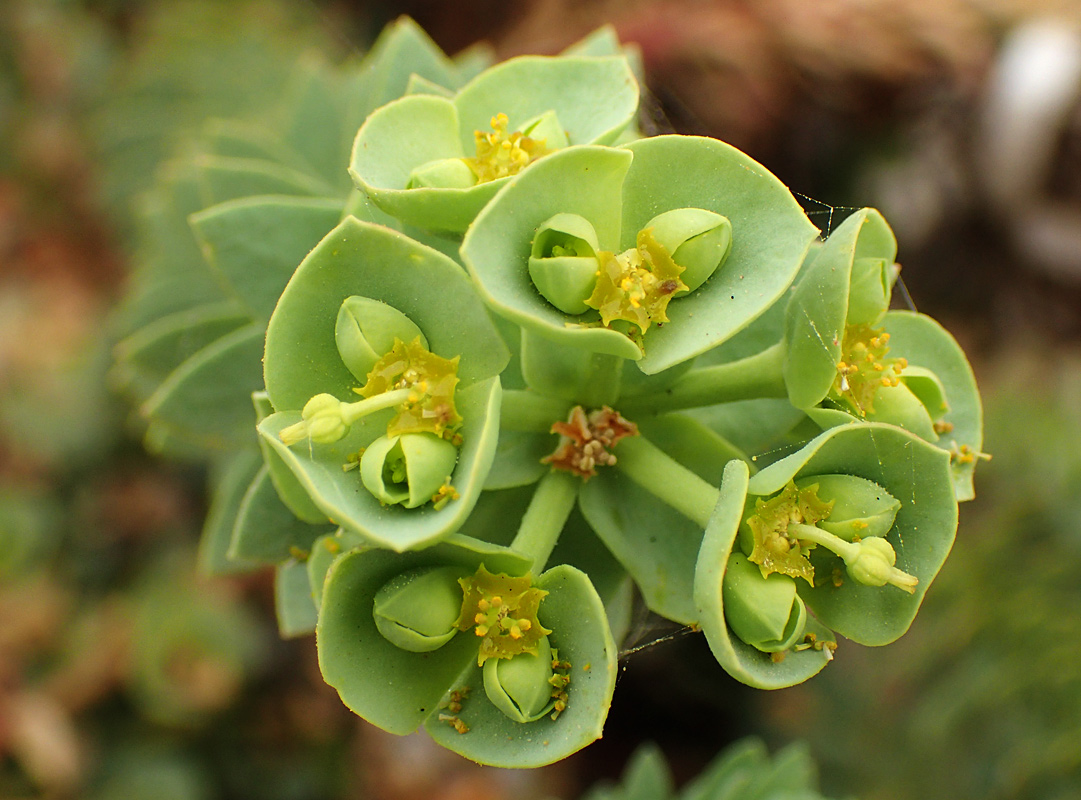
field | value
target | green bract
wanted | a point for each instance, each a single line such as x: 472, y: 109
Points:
x: 620, y: 192
x: 399, y: 689
x: 412, y: 156
x: 921, y: 534
x: 818, y: 310
x: 303, y: 361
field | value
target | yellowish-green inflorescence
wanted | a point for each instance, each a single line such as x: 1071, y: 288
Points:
x: 430, y: 379
x: 502, y: 610
x: 788, y: 526
x: 864, y: 368
x: 501, y: 154
x: 774, y: 549
x: 637, y: 284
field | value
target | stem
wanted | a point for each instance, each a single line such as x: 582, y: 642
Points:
x: 351, y: 412
x: 835, y: 544
x: 604, y: 381
x: 552, y: 502
x: 523, y: 410
x: 665, y: 478
x: 760, y: 375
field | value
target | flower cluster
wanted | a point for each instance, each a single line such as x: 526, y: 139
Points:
x: 567, y: 339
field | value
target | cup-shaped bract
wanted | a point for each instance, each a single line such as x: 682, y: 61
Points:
x: 393, y: 687
x: 936, y: 397
x: 627, y: 194
x: 405, y: 153
x: 911, y: 470
x: 818, y: 309
x: 855, y: 603
x: 444, y: 689
x: 584, y: 680
x: 744, y: 662
x: 302, y: 360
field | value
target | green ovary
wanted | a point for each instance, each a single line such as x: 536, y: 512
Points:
x: 521, y: 686
x: 408, y: 470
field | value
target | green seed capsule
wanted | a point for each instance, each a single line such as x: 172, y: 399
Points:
x: 766, y: 613
x: 365, y: 331
x: 417, y: 610
x: 444, y: 173
x: 407, y: 470
x: 322, y: 422
x: 563, y: 262
x: 861, y: 508
x: 521, y: 686
x: 698, y: 240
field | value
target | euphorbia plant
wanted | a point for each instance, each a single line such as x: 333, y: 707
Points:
x: 508, y: 375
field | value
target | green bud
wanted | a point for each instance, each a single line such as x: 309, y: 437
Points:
x: 407, y: 470
x: 366, y: 330
x: 766, y: 613
x: 861, y: 508
x: 520, y: 686
x: 563, y: 262
x: 698, y: 240
x: 546, y: 128
x: 444, y: 173
x: 417, y: 610
x: 869, y: 290
x: 873, y: 566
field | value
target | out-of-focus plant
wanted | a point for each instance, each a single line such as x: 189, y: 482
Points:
x: 117, y: 664
x: 742, y: 771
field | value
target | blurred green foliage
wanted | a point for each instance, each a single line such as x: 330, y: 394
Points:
x: 122, y: 674
x: 742, y: 771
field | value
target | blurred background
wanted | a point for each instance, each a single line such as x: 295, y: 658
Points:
x: 124, y: 674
